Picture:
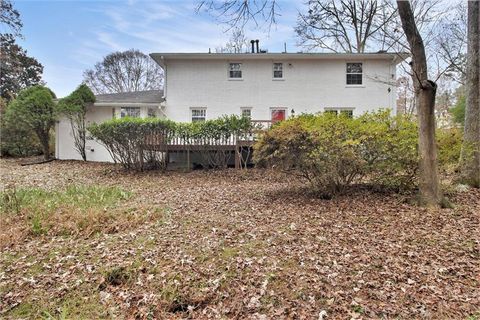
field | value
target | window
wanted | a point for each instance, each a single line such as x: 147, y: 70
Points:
x: 151, y: 113
x: 247, y: 112
x: 354, y: 73
x: 278, y: 70
x: 335, y: 112
x: 348, y: 113
x: 235, y: 70
x: 199, y: 115
x: 340, y: 111
x: 133, y: 112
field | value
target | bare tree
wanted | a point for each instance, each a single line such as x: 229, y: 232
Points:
x: 125, y: 71
x: 10, y: 18
x: 425, y: 90
x: 345, y: 26
x: 237, y: 43
x: 451, y: 43
x: 471, y: 150
x: 237, y: 13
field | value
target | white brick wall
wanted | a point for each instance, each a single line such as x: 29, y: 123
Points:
x: 309, y: 86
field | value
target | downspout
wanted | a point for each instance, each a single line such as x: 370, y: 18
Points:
x: 57, y: 142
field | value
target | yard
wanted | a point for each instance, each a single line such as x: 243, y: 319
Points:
x: 92, y: 241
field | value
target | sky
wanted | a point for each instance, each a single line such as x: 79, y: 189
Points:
x: 69, y: 36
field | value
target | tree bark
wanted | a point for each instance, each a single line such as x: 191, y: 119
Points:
x: 471, y: 149
x: 44, y: 141
x: 425, y: 91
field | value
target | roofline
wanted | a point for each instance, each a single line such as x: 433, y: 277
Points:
x: 395, y: 57
x: 127, y: 104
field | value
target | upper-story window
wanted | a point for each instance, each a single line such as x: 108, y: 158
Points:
x: 278, y: 70
x: 133, y: 112
x: 235, y: 70
x: 354, y: 73
x: 246, y: 112
x: 199, y: 114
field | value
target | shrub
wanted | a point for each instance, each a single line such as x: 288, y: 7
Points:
x: 127, y: 139
x: 16, y: 140
x: 333, y: 152
x: 449, y: 142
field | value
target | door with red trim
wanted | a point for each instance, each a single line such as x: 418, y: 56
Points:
x: 278, y: 115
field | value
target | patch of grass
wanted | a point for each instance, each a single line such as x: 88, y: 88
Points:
x: 61, y: 212
x: 80, y: 197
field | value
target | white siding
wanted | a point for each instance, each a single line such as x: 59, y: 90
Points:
x: 308, y: 86
x: 65, y: 148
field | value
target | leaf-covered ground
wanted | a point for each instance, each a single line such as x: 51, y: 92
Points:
x: 238, y: 245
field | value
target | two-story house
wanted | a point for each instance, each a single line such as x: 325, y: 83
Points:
x: 263, y: 86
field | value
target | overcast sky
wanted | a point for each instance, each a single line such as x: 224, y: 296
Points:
x: 68, y: 37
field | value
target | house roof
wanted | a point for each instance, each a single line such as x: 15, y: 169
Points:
x: 395, y: 57
x: 130, y: 98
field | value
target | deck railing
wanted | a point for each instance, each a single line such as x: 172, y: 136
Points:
x: 166, y: 140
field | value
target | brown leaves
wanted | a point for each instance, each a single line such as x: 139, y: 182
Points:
x: 248, y: 245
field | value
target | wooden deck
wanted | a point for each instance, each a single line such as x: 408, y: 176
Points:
x: 162, y: 142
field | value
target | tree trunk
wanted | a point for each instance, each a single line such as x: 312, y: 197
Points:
x: 44, y: 141
x: 471, y: 149
x: 425, y: 90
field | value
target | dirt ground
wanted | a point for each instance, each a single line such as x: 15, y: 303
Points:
x: 240, y: 245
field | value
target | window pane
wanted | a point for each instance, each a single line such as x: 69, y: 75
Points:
x: 199, y: 115
x: 278, y: 70
x: 247, y: 113
x: 348, y: 113
x: 354, y: 78
x: 235, y: 70
x: 331, y: 112
x: 133, y: 112
x: 354, y: 68
x: 235, y: 74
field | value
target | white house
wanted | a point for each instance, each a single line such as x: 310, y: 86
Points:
x: 264, y: 86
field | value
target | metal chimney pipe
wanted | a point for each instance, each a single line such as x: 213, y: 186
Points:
x: 256, y: 42
x: 253, y: 45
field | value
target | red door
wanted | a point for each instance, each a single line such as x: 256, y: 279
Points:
x: 278, y: 115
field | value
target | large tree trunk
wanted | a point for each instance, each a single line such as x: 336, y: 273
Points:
x: 425, y: 90
x: 471, y: 149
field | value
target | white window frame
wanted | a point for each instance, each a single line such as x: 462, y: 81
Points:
x: 125, y: 113
x: 273, y: 70
x: 229, y: 70
x: 354, y: 73
x: 198, y: 117
x: 242, y: 109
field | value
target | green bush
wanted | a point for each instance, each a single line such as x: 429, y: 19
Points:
x: 449, y: 142
x: 333, y: 152
x: 127, y: 139
x: 16, y: 140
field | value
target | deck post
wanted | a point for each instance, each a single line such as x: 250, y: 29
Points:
x: 237, y: 157
x: 188, y: 159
